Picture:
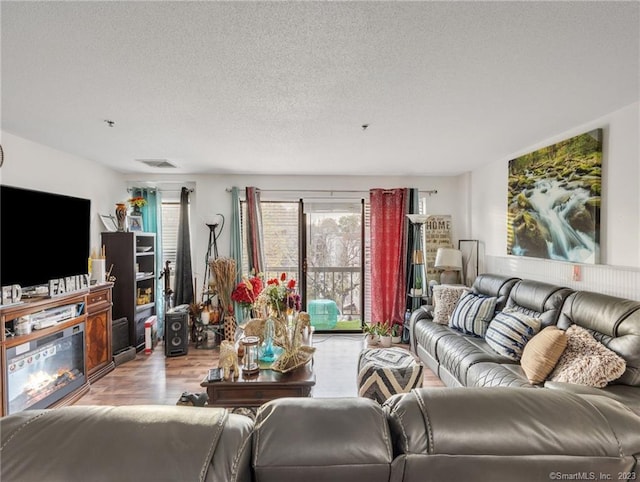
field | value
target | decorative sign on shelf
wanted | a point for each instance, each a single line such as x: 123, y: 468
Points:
x: 69, y: 284
x: 437, y: 232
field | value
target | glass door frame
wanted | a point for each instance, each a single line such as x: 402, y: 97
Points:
x: 304, y: 220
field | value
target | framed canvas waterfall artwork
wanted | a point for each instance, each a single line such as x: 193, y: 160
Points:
x: 553, y: 205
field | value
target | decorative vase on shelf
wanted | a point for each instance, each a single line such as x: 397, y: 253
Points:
x: 136, y: 211
x: 246, y: 314
x: 121, y: 216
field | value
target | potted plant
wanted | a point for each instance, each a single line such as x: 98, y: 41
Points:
x: 371, y: 333
x: 395, y: 334
x: 385, y: 334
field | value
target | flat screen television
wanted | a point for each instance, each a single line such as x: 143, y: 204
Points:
x: 43, y: 236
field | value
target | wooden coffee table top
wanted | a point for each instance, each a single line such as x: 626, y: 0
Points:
x: 253, y: 391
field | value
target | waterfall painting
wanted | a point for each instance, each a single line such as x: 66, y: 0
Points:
x: 553, y: 209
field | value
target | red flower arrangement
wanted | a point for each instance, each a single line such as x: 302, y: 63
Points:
x: 280, y: 295
x: 246, y: 292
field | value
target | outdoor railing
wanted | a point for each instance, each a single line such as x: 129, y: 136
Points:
x: 340, y: 284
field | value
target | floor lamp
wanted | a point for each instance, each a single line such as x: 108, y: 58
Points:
x: 215, y: 229
x: 418, y: 278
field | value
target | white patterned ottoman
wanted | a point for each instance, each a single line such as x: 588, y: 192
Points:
x: 383, y: 372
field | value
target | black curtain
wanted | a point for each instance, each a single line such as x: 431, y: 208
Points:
x: 412, y: 208
x: 184, y: 273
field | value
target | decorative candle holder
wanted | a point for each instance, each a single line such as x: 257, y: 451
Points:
x: 250, y: 359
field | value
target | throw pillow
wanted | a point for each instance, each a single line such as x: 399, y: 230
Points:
x: 444, y: 301
x: 586, y: 361
x: 541, y: 354
x: 509, y: 332
x: 473, y: 313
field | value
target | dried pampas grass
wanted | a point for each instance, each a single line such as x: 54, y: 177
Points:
x: 223, y: 280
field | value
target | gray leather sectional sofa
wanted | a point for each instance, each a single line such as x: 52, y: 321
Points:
x: 490, y: 425
x: 428, y: 435
x: 466, y: 361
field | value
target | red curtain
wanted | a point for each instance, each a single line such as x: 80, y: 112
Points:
x: 388, y: 254
x: 255, y: 238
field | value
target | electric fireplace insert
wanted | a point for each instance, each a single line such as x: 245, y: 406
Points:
x: 43, y: 371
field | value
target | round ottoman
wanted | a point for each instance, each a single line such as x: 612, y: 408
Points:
x: 323, y: 314
x: 383, y: 372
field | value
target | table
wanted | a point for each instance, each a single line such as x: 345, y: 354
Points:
x: 207, y: 336
x: 259, y: 389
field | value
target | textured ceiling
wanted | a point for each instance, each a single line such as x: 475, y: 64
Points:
x: 284, y: 87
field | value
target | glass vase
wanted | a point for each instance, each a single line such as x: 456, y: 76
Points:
x: 268, y: 353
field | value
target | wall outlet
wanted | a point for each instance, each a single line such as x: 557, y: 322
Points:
x: 577, y: 273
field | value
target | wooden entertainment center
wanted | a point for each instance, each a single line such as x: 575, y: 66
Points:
x: 84, y: 315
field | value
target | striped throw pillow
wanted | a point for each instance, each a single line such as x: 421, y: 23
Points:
x: 473, y: 313
x: 510, y: 331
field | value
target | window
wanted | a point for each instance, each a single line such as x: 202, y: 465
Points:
x: 281, y: 239
x: 170, y: 220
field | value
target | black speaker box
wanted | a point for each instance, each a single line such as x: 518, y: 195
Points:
x: 176, y: 333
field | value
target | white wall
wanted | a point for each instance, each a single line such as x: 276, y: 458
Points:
x: 210, y: 197
x: 34, y: 166
x: 619, y: 271
x: 476, y: 201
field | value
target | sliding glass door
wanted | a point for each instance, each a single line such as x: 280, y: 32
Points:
x: 321, y: 245
x: 333, y: 264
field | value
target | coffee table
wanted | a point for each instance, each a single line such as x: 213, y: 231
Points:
x: 258, y: 389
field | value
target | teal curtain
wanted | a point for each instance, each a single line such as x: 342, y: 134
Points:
x: 152, y: 223
x: 236, y: 241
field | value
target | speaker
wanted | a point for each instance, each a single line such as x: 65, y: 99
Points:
x: 176, y: 333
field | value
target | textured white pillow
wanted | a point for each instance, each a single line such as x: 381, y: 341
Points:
x: 586, y: 361
x: 445, y: 298
x: 509, y: 332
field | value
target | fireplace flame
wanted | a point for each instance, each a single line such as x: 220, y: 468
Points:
x: 41, y: 380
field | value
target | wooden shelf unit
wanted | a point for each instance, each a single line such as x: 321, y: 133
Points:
x: 132, y: 253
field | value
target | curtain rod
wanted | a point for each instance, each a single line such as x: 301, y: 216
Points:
x: 130, y: 189
x: 429, y: 192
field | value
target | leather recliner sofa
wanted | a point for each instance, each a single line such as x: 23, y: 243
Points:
x: 430, y: 434
x: 468, y: 361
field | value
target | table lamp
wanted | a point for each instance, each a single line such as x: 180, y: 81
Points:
x: 449, y: 260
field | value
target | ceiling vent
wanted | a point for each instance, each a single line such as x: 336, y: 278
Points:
x: 157, y: 163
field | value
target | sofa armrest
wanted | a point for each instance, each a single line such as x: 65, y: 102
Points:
x: 425, y: 312
x: 625, y: 394
x: 503, y: 434
x: 150, y: 442
x: 572, y: 388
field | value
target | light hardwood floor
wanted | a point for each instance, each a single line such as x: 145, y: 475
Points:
x: 157, y: 380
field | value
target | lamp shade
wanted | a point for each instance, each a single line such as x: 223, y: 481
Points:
x: 448, y: 259
x: 418, y: 218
